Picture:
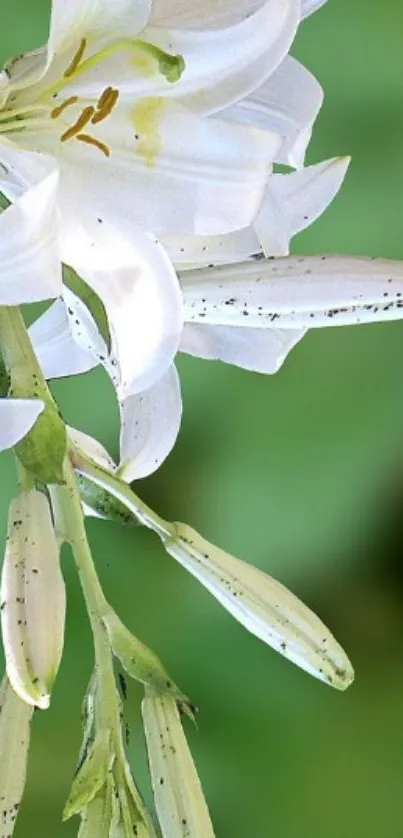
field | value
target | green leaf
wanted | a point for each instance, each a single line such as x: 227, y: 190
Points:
x: 43, y: 449
x: 91, y: 776
x: 4, y: 202
x: 90, y: 299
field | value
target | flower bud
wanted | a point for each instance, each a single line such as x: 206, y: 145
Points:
x: 15, y: 722
x: 181, y: 808
x: 263, y: 606
x: 33, y: 599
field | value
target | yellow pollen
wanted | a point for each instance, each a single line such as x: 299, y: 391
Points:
x: 60, y: 108
x: 108, y: 99
x: 76, y: 59
x: 82, y: 121
x: 85, y: 138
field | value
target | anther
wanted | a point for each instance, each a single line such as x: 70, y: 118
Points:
x: 82, y: 121
x: 76, y: 59
x: 104, y: 98
x: 60, y: 108
x: 85, y: 138
x: 105, y: 105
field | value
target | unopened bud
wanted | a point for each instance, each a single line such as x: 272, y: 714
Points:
x: 32, y: 599
x: 181, y: 808
x: 263, y: 606
x: 15, y: 722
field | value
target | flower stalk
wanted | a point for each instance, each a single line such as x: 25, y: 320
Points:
x: 43, y: 449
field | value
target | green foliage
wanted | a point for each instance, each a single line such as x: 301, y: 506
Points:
x: 43, y: 450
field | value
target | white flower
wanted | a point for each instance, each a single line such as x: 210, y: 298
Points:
x: 33, y: 599
x: 119, y: 99
x: 15, y: 722
x: 181, y: 808
x: 121, y: 102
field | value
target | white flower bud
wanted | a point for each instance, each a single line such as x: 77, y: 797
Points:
x: 33, y: 599
x: 15, y: 721
x: 263, y: 606
x: 181, y: 808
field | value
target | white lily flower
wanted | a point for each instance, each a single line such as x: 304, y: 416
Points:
x: 15, y: 722
x: 118, y: 98
x: 33, y: 599
x: 181, y: 808
x: 251, y: 315
x: 120, y: 104
x: 67, y: 345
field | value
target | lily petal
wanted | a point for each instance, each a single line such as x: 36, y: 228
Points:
x: 188, y: 252
x: 258, y: 350
x: 202, y: 14
x: 150, y: 423
x: 263, y: 606
x: 94, y: 19
x: 17, y: 416
x: 189, y: 175
x: 287, y: 103
x: 133, y: 276
x: 223, y: 66
x: 295, y: 292
x: 294, y: 201
x: 309, y: 6
x: 29, y: 251
x: 57, y: 352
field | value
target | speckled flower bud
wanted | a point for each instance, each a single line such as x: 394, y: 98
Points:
x: 15, y: 721
x: 33, y: 599
x: 181, y: 808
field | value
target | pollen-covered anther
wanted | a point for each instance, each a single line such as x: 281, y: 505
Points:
x: 76, y: 59
x: 86, y: 138
x: 72, y: 100
x: 105, y: 104
x: 82, y: 121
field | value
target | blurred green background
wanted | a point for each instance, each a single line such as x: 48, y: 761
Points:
x: 301, y: 474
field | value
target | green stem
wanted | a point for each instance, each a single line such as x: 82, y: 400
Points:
x: 43, y: 449
x: 19, y: 357
x: 120, y: 490
x: 67, y: 503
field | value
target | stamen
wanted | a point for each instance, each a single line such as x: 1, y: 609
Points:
x: 85, y: 138
x: 60, y: 108
x: 76, y: 59
x: 104, y: 98
x: 82, y: 121
x: 107, y: 106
